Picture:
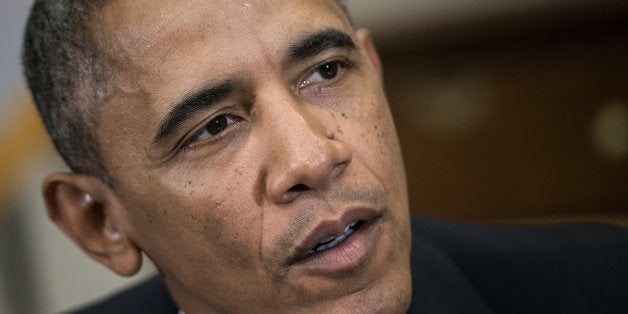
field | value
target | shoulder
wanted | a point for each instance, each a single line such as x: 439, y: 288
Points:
x: 469, y: 240
x: 150, y: 296
x: 566, y: 268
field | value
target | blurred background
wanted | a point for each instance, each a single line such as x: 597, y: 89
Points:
x: 508, y: 111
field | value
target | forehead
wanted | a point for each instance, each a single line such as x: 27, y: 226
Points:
x: 144, y: 32
x: 148, y: 41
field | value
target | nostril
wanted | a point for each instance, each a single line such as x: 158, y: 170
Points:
x: 299, y: 188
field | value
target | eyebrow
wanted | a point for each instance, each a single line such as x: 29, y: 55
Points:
x: 307, y: 47
x: 317, y: 43
x: 191, y: 105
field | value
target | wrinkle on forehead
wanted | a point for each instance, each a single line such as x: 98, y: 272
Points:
x: 145, y: 30
x: 142, y: 31
x: 144, y: 40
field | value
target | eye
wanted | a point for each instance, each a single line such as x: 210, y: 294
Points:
x: 211, y: 129
x: 322, y: 73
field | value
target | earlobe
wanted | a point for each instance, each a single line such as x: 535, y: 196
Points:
x: 366, y: 41
x: 88, y: 212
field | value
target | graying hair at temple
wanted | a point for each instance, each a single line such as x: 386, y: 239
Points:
x: 67, y: 77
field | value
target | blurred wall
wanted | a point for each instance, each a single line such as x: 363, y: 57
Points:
x: 509, y: 111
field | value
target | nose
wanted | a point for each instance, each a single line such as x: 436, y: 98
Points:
x: 305, y: 155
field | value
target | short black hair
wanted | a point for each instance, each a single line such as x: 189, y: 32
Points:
x: 66, y: 73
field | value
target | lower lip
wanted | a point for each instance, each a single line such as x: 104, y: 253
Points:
x: 349, y: 254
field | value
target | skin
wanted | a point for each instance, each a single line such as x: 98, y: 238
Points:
x: 222, y: 215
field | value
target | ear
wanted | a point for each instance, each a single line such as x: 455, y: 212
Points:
x: 89, y: 212
x: 366, y: 41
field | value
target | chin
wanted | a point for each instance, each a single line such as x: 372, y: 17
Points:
x: 383, y: 299
x: 391, y: 293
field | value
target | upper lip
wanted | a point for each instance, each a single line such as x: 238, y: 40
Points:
x: 331, y: 227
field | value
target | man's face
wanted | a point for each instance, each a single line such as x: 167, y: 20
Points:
x: 244, y: 136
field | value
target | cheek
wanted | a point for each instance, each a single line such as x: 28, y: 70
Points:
x: 371, y: 131
x: 196, y: 215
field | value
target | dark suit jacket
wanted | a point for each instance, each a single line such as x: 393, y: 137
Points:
x: 466, y: 268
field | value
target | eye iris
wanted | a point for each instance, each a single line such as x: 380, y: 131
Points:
x: 216, y: 125
x: 329, y: 70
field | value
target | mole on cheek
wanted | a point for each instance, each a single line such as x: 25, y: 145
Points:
x: 210, y: 220
x: 164, y: 213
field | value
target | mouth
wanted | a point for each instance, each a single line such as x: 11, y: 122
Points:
x: 333, y: 241
x: 337, y: 245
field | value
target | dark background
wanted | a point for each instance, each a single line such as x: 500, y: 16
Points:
x: 520, y: 117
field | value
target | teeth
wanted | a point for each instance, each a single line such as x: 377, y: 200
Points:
x: 351, y: 225
x: 334, y: 240
x: 347, y: 228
